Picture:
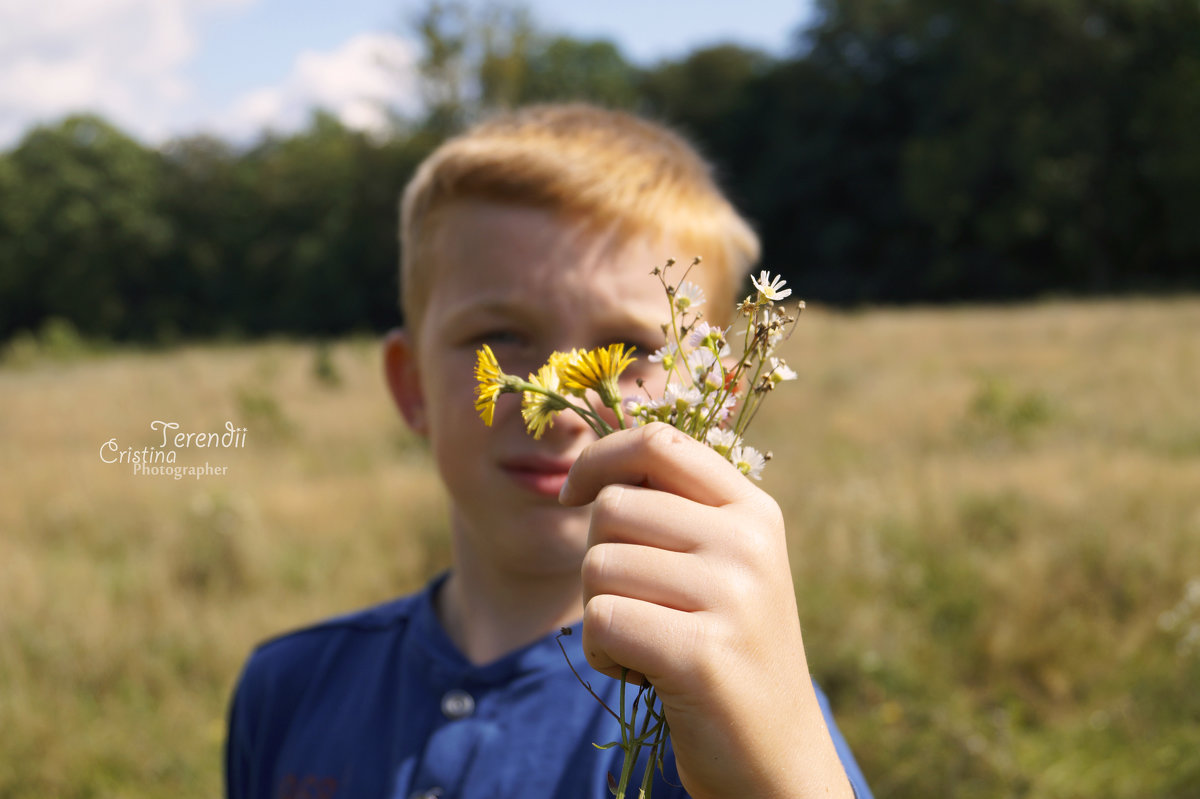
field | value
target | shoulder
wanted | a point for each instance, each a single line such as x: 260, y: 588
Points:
x: 384, y: 618
x: 296, y: 682
x: 284, y: 665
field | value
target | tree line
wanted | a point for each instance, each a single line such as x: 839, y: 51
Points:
x: 903, y: 151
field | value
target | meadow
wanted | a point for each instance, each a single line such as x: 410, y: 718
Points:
x: 993, y: 513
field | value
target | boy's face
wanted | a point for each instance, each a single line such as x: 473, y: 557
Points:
x: 527, y: 284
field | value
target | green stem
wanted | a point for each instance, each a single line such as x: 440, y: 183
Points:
x: 616, y: 408
x: 595, y: 415
x: 675, y: 338
x: 753, y: 399
x: 656, y: 749
x: 628, y: 742
x: 589, y: 414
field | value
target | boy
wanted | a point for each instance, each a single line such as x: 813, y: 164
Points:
x: 535, y: 232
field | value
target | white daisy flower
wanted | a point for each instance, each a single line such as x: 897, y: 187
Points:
x: 681, y: 398
x: 688, y: 296
x: 657, y: 410
x: 721, y: 440
x: 780, y: 371
x: 708, y: 337
x: 748, y: 460
x: 639, y: 410
x: 665, y: 355
x: 705, y: 367
x: 771, y: 288
x: 774, y: 328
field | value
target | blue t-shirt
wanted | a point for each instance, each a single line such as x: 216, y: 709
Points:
x: 380, y: 704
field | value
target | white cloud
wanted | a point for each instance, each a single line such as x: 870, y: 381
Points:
x: 120, y: 58
x: 358, y: 83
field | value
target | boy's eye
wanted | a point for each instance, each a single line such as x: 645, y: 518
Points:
x: 641, y: 348
x: 499, y: 338
x: 641, y: 351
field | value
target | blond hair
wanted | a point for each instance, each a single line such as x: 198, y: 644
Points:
x: 608, y: 170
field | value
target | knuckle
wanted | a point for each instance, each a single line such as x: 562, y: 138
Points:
x: 739, y: 578
x: 608, y: 501
x: 763, y: 559
x: 760, y: 545
x: 772, y: 512
x: 598, y: 615
x: 595, y: 566
x: 662, y: 434
x: 765, y: 511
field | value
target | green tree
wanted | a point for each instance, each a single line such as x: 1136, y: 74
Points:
x: 496, y: 56
x: 210, y: 193
x: 707, y: 93
x: 446, y: 36
x: 926, y: 149
x: 560, y: 69
x: 297, y: 234
x: 85, y: 235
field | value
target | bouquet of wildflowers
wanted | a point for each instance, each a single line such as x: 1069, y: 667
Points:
x: 709, y: 394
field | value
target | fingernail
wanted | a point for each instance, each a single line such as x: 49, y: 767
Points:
x: 566, y: 488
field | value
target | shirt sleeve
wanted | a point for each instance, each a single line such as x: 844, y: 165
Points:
x: 857, y: 781
x: 238, y: 760
x: 248, y: 733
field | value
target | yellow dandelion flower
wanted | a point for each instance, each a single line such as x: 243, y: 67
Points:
x: 562, y: 361
x: 539, y: 409
x: 598, y: 370
x: 491, y: 383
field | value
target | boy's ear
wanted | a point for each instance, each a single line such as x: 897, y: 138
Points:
x: 404, y: 380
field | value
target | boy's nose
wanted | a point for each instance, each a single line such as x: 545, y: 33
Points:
x: 569, y: 426
x: 568, y: 434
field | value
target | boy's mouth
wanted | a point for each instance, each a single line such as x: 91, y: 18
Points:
x: 540, y: 474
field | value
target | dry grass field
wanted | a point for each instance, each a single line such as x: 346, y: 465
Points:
x: 994, y: 517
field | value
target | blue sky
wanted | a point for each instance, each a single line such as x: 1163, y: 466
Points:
x: 160, y: 68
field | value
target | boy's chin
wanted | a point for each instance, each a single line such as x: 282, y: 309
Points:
x: 546, y: 539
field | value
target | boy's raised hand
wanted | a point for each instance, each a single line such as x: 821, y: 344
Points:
x: 686, y: 581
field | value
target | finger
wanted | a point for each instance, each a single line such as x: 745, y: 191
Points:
x: 655, y: 456
x: 648, y: 574
x: 626, y: 514
x: 664, y: 640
